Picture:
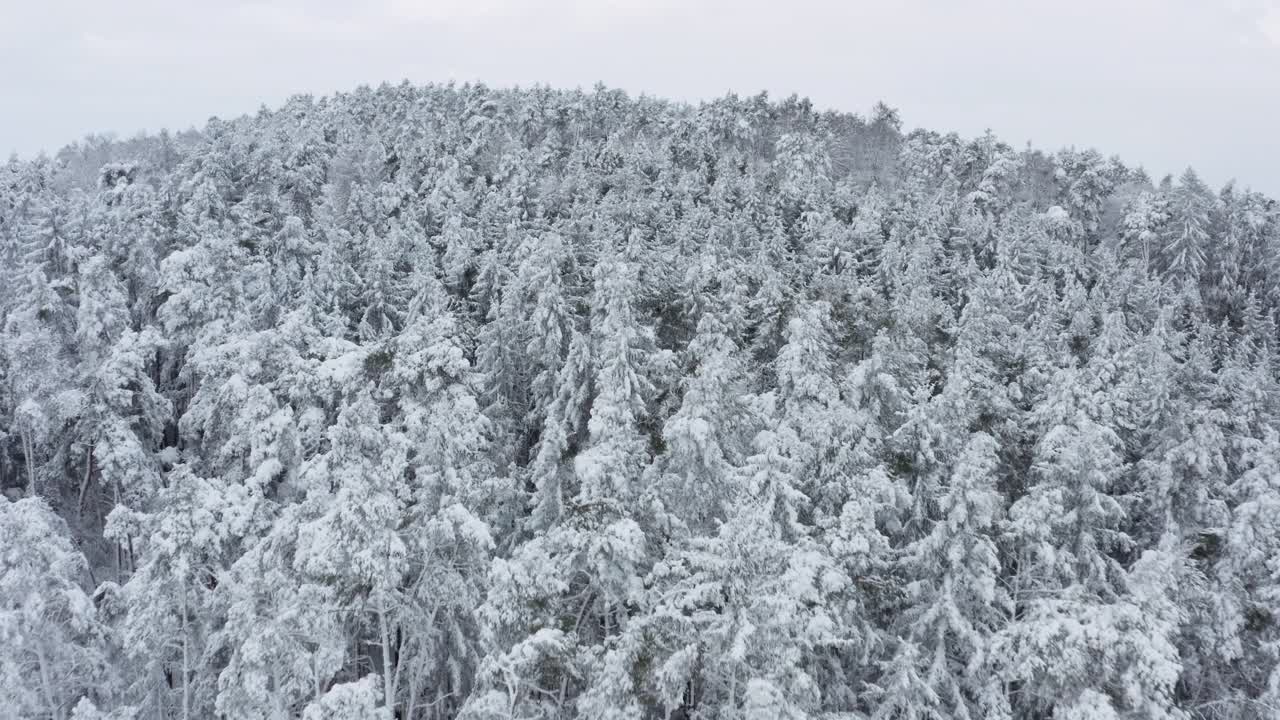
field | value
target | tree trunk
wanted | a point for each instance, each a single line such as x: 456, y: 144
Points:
x: 46, y: 683
x: 84, y: 483
x: 115, y: 499
x: 388, y: 675
x: 28, y: 453
x: 186, y: 661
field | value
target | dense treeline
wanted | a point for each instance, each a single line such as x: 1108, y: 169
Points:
x: 437, y: 402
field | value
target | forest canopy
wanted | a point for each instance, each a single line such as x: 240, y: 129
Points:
x: 458, y: 402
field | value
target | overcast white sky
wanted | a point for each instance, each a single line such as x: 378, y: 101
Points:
x: 1162, y: 83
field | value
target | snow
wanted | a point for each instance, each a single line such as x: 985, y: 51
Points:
x: 459, y: 402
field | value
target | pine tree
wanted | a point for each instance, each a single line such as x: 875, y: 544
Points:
x: 1186, y: 240
x: 703, y: 438
x: 957, y: 600
x: 57, y: 646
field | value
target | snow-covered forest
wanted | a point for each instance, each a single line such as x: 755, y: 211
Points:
x: 439, y: 402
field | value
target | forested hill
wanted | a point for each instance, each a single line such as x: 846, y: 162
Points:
x: 453, y: 402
